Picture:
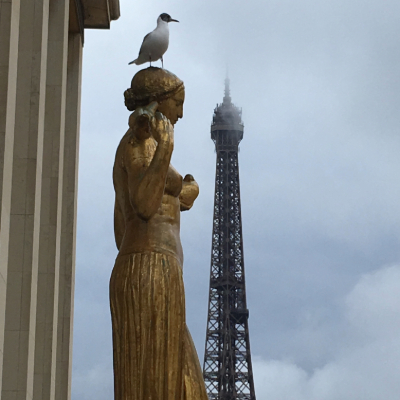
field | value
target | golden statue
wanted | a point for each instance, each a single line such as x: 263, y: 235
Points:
x: 154, y: 355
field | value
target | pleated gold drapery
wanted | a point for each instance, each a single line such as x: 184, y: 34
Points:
x: 154, y: 355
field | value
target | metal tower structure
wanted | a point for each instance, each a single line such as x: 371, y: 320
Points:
x: 227, y: 370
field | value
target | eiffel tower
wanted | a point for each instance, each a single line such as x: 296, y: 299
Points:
x: 227, y: 370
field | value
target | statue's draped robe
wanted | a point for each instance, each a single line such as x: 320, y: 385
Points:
x: 154, y: 355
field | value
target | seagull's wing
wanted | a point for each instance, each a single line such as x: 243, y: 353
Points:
x: 144, y: 39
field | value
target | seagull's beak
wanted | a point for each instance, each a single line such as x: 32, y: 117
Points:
x: 173, y: 20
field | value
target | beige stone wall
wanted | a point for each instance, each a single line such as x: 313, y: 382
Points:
x: 23, y: 216
x: 51, y: 203
x: 9, y: 17
x: 68, y: 220
x: 40, y: 84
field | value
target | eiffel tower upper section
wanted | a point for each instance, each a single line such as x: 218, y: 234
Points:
x: 227, y: 126
x: 227, y: 359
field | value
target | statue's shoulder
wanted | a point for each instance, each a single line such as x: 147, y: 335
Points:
x: 135, y: 152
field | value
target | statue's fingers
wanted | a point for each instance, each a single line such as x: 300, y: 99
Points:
x: 188, y: 178
x: 159, y: 116
x: 156, y: 120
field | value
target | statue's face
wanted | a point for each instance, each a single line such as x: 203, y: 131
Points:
x: 173, y: 107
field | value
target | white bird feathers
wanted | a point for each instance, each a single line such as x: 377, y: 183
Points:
x: 155, y: 43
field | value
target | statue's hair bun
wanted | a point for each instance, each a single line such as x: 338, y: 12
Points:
x: 151, y: 84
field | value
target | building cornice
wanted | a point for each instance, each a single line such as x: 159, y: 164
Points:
x: 114, y: 10
x: 98, y: 14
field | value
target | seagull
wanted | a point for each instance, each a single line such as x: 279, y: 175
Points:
x: 155, y: 43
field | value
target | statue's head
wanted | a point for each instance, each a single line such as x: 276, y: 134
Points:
x: 156, y: 84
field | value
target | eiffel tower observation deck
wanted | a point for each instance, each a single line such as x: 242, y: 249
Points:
x: 227, y: 367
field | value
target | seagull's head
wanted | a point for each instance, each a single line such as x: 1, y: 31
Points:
x: 166, y: 18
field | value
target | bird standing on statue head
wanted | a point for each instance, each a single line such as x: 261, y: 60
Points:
x: 155, y: 43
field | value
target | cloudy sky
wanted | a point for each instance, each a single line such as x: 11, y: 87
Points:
x: 319, y: 84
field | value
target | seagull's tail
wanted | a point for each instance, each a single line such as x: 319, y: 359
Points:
x: 132, y: 62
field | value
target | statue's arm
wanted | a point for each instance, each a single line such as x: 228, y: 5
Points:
x: 189, y: 193
x: 119, y: 224
x: 146, y: 179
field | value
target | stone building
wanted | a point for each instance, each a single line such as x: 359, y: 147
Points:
x: 40, y: 82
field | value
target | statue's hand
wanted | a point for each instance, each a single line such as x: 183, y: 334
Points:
x: 188, y: 178
x: 189, y: 192
x: 140, y: 120
x: 162, y: 129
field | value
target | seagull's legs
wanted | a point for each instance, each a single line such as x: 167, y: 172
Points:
x: 150, y: 59
x: 162, y: 63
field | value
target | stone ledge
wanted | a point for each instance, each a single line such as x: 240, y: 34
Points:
x: 98, y: 14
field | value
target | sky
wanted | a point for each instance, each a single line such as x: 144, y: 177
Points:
x: 319, y: 85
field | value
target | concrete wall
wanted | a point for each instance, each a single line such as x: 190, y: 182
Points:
x: 40, y: 83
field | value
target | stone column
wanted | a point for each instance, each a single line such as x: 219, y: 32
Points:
x: 9, y: 23
x: 25, y: 182
x: 51, y: 203
x: 69, y: 207
x: 40, y: 83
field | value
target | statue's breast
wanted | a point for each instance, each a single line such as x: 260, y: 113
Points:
x: 173, y: 185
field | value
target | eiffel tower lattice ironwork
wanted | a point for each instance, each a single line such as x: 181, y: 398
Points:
x: 227, y: 370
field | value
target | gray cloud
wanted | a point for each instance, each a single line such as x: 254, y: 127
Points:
x: 365, y: 367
